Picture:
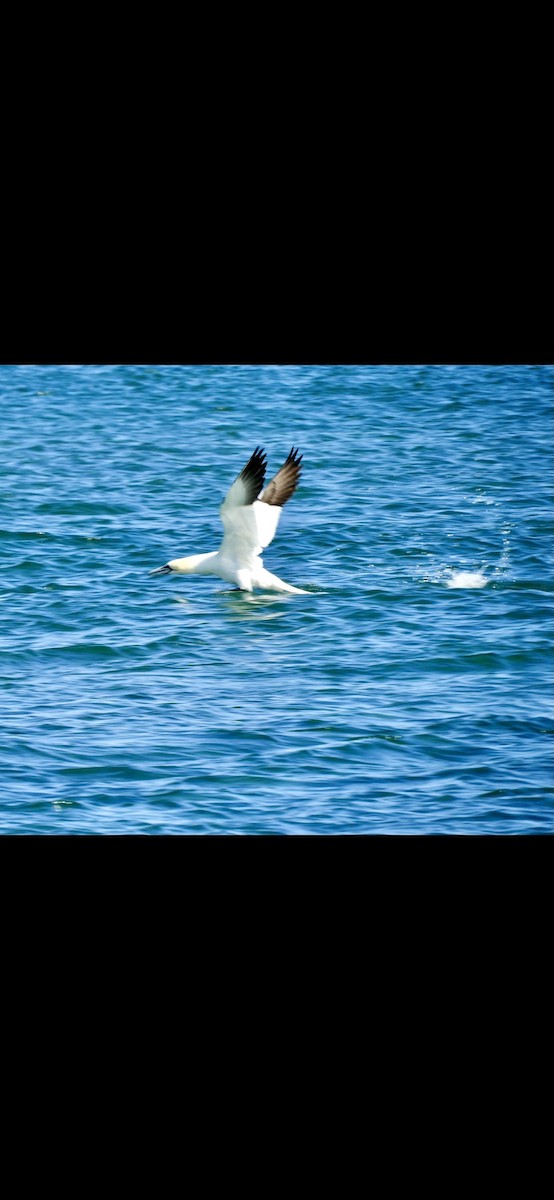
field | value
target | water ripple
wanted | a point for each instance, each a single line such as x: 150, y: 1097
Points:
x: 389, y: 699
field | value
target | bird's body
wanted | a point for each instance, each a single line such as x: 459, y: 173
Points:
x: 250, y: 513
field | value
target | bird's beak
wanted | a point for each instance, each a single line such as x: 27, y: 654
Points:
x: 161, y: 571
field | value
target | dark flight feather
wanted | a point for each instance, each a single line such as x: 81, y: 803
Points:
x: 281, y: 487
x: 253, y: 475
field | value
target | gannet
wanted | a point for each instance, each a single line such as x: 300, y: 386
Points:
x: 250, y: 513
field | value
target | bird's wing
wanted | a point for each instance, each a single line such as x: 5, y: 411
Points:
x: 281, y: 487
x: 250, y: 523
x: 248, y: 484
x: 242, y: 537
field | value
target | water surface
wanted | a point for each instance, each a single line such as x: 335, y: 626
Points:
x: 409, y: 692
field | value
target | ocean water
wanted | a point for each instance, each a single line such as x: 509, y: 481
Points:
x: 409, y: 692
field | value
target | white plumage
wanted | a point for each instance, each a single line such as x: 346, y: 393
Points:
x: 250, y: 513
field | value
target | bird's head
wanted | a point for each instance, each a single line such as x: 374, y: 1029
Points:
x: 180, y: 566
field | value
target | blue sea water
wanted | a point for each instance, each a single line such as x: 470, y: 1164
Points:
x: 409, y: 692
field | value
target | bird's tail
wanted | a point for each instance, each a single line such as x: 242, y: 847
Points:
x: 265, y: 579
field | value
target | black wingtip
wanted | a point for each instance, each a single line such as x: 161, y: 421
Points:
x: 253, y: 473
x: 256, y: 462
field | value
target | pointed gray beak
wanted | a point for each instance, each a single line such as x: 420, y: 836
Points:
x: 161, y: 571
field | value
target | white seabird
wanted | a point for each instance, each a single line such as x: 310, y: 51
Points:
x: 250, y: 513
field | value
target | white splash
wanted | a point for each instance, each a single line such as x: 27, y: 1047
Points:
x: 467, y: 579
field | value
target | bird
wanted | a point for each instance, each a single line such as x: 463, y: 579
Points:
x: 250, y: 514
